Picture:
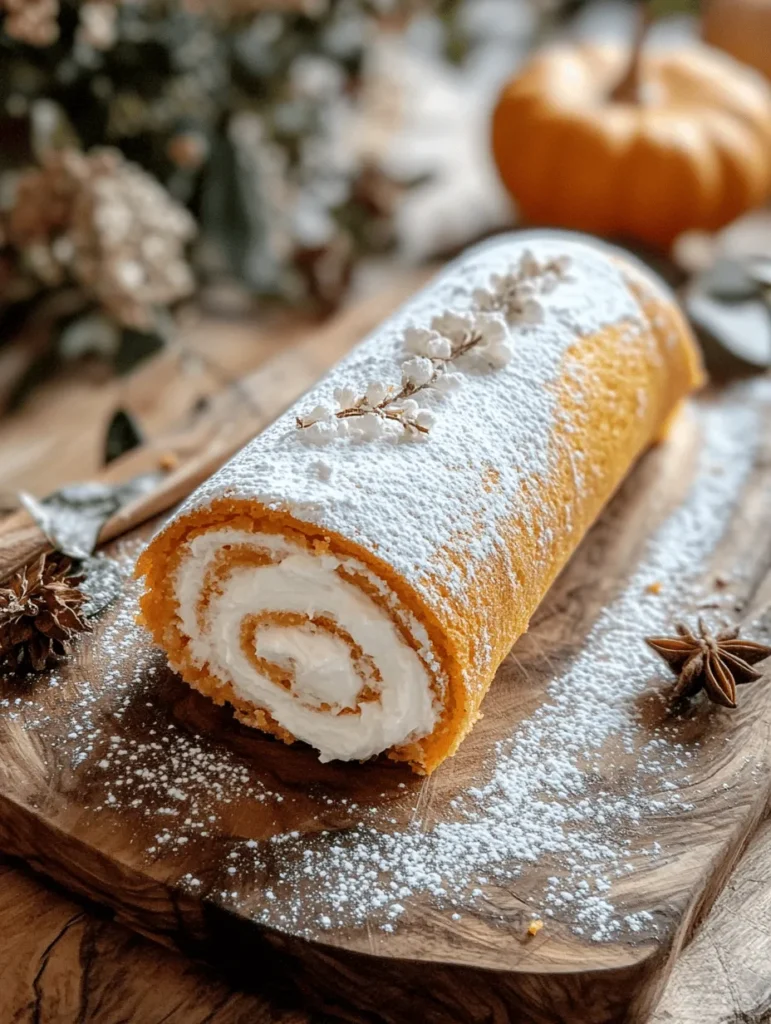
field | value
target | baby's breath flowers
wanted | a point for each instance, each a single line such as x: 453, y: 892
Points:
x: 481, y: 339
x: 385, y: 409
x: 437, y: 356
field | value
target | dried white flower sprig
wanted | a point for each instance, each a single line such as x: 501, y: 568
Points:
x: 384, y: 409
x: 453, y: 342
x: 515, y: 294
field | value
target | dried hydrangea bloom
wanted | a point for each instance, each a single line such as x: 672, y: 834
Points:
x: 103, y: 223
x: 31, y: 21
x: 98, y: 24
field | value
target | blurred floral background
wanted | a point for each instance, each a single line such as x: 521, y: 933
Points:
x: 159, y: 157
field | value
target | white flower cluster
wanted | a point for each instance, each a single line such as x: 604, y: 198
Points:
x: 381, y: 412
x: 515, y: 295
x: 482, y: 340
x: 438, y: 355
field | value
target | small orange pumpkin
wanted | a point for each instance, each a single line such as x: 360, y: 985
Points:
x: 741, y: 28
x: 681, y: 141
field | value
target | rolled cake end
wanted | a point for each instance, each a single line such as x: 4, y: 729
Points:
x: 346, y: 658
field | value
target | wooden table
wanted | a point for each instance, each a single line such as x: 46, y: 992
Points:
x: 60, y: 961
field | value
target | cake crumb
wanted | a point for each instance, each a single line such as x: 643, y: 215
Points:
x: 168, y: 461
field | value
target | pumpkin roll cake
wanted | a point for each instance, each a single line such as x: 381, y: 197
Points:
x: 354, y: 577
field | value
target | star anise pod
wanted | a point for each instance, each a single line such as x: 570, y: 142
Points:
x: 716, y: 663
x: 40, y: 611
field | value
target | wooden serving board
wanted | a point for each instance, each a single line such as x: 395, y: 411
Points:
x: 128, y: 788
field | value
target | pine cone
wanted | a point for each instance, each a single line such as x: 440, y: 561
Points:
x: 40, y: 611
x: 103, y: 222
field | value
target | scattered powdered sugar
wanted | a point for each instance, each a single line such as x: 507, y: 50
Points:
x: 438, y: 514
x: 547, y: 817
x: 177, y: 782
x: 541, y: 802
x: 102, y: 583
x: 322, y: 469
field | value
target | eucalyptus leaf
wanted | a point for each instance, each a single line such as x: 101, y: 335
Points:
x: 729, y: 280
x: 123, y: 435
x: 90, y: 334
x: 136, y: 346
x: 223, y: 218
x: 760, y: 270
x: 72, y: 517
x: 240, y: 214
x: 735, y: 335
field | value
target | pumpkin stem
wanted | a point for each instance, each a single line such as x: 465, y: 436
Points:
x: 627, y: 89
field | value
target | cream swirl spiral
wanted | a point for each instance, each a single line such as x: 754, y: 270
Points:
x: 310, y: 639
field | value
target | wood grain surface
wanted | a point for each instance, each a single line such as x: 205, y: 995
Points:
x: 66, y: 961
x: 63, y: 963
x: 724, y: 976
x: 56, y: 813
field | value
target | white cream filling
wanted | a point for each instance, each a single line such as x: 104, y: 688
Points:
x: 320, y: 663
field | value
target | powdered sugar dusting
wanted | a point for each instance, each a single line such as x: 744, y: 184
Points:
x: 436, y: 357
x: 449, y: 514
x: 549, y: 819
x: 375, y: 492
x: 541, y: 803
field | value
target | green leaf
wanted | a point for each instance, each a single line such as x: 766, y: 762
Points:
x: 93, y: 333
x: 136, y: 346
x: 729, y: 280
x: 241, y: 216
x: 51, y: 129
x: 668, y: 8
x: 735, y: 333
x: 123, y: 434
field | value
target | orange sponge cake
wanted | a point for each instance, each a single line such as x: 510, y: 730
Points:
x: 356, y: 574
